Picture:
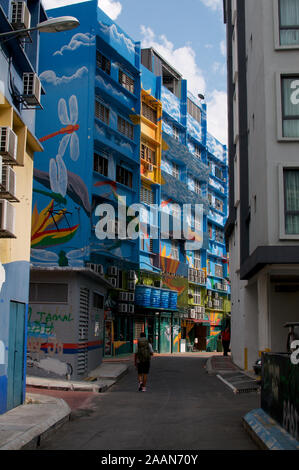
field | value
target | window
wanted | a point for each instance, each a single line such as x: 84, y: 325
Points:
x: 149, y: 113
x: 210, y: 230
x: 290, y: 106
x: 146, y: 153
x: 48, y: 292
x: 174, y: 253
x: 210, y: 199
x: 125, y: 127
x: 289, y: 22
x: 175, y: 171
x: 100, y: 164
x: 197, y: 187
x: 102, y: 112
x: 146, y: 195
x: 291, y: 201
x: 175, y: 133
x: 98, y: 300
x: 197, y: 262
x: 219, y: 235
x: 197, y: 151
x: 197, y: 296
x: 218, y: 172
x: 103, y: 63
x: 126, y: 81
x: 193, y: 110
x: 218, y: 205
x: 218, y: 270
x: 124, y: 176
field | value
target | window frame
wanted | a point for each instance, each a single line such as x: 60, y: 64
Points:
x: 108, y: 61
x: 281, y: 188
x: 277, y: 29
x: 130, y: 86
x: 128, y: 125
x: 175, y: 171
x: 279, y: 104
x: 97, y: 156
x: 106, y: 111
x: 128, y: 172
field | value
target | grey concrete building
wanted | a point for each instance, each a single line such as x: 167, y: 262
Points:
x: 262, y: 231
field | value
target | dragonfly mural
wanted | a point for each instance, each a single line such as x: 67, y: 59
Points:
x: 57, y: 168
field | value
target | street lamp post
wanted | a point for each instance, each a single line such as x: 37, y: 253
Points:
x: 52, y: 25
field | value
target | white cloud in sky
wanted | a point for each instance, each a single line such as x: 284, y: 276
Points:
x: 217, y: 115
x: 112, y: 8
x: 213, y: 4
x: 183, y: 58
x: 223, y: 48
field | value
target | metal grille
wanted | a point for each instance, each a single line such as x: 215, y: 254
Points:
x: 101, y: 112
x: 82, y: 358
x: 126, y: 81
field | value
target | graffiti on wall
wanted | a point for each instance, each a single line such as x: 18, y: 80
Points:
x: 44, y: 350
x: 280, y: 387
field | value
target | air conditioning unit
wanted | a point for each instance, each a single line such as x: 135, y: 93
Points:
x: 131, y: 308
x: 192, y: 313
x: 91, y: 266
x: 112, y: 271
x: 131, y: 275
x: 123, y: 308
x: 131, y: 285
x: 113, y: 281
x: 8, y: 145
x: 131, y: 297
x: 100, y: 269
x: 7, y: 219
x: 8, y: 183
x: 32, y: 89
x: 20, y: 16
x: 123, y: 296
x: 197, y: 264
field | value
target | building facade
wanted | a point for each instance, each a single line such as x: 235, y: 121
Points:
x: 262, y: 233
x: 18, y: 143
x: 119, y: 141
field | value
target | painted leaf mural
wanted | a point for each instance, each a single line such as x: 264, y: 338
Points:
x: 45, y: 231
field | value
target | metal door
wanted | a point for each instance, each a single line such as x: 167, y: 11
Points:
x: 15, y: 371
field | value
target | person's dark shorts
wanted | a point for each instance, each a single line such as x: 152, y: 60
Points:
x: 143, y: 367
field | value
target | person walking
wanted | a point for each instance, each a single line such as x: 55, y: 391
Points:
x: 225, y: 337
x: 142, y: 361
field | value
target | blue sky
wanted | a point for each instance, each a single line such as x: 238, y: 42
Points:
x: 189, y: 34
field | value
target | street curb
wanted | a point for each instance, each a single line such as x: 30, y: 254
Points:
x: 71, y: 386
x: 32, y: 437
x: 267, y: 433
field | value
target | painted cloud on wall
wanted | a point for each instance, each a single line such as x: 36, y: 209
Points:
x: 118, y: 36
x: 50, y: 76
x: 78, y: 40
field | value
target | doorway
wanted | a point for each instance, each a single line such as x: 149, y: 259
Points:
x: 201, y: 335
x: 15, y: 371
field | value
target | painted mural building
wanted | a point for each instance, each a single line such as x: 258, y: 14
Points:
x: 18, y: 144
x: 121, y: 132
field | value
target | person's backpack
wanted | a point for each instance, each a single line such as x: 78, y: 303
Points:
x: 143, y: 353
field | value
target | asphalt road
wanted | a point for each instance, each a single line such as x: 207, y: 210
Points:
x: 183, y: 408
